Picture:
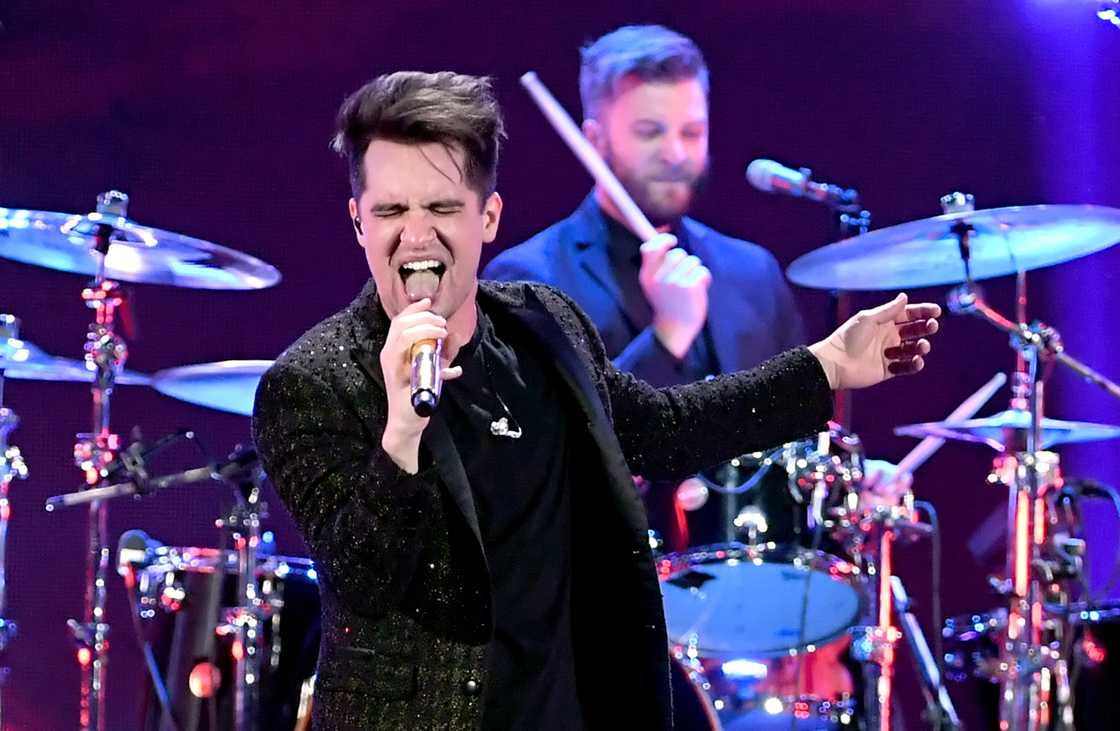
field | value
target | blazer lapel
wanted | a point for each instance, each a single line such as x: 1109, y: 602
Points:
x: 592, y: 242
x: 723, y: 330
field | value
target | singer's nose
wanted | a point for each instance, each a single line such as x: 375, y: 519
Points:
x: 417, y: 230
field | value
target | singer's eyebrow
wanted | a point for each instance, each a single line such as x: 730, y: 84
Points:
x: 445, y: 203
x: 382, y: 208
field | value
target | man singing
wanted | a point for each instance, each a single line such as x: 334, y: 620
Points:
x: 475, y: 565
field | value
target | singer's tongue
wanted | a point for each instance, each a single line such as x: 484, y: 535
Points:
x: 421, y: 284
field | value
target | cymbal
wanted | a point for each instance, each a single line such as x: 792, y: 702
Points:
x: 992, y: 430
x: 64, y: 242
x: 228, y: 385
x: 925, y: 253
x: 22, y: 360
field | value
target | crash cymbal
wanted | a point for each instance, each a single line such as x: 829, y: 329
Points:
x: 137, y: 253
x: 21, y: 360
x: 925, y: 253
x: 992, y: 430
x: 228, y: 385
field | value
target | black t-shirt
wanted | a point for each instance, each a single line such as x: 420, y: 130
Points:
x: 523, y: 498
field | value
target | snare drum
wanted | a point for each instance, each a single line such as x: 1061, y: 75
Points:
x: 181, y: 597
x: 761, y: 625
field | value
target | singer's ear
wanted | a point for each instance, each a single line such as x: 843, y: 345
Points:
x: 491, y: 216
x: 357, y: 221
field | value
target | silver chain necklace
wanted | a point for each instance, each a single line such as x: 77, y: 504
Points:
x: 499, y: 427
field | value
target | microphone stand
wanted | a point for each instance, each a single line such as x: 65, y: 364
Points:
x: 245, y: 622
x: 849, y: 219
x: 12, y: 467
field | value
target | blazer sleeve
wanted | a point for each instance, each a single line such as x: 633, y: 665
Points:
x: 360, y: 514
x: 648, y: 359
x: 676, y: 431
x: 673, y: 432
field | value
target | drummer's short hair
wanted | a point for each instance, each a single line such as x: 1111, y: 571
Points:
x: 414, y: 107
x: 648, y: 52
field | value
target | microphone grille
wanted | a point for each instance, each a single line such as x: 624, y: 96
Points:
x: 760, y: 174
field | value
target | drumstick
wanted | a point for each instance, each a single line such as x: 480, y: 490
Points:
x: 968, y: 408
x: 567, y: 129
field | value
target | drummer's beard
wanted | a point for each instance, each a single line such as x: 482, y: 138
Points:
x: 665, y: 194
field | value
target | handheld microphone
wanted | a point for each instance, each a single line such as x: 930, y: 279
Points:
x: 426, y: 376
x: 773, y: 177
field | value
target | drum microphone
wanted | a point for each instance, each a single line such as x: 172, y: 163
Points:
x: 773, y: 177
x: 136, y: 550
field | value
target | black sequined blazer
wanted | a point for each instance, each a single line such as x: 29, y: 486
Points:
x: 403, y: 575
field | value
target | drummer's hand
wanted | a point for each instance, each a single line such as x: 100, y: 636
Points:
x: 883, y: 485
x: 676, y: 286
x: 878, y: 344
x: 401, y: 438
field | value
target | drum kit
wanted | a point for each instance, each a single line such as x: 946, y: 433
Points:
x: 765, y: 629
x: 794, y: 625
x: 250, y: 616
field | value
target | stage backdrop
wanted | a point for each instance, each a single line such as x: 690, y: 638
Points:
x: 215, y: 117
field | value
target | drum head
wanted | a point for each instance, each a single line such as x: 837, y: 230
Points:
x: 738, y: 601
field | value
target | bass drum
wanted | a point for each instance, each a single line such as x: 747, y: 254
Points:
x: 692, y: 708
x: 182, y: 598
x: 762, y: 695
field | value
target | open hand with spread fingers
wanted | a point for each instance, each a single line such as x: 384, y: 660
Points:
x: 877, y: 344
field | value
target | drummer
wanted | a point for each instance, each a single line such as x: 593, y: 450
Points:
x: 645, y: 105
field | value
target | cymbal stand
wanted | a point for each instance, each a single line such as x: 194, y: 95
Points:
x: 871, y: 537
x: 106, y: 351
x: 12, y: 467
x: 1034, y: 689
x: 245, y: 622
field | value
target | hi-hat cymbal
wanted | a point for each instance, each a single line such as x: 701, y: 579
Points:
x: 229, y: 385
x: 21, y: 360
x: 993, y: 430
x: 925, y: 253
x: 64, y: 242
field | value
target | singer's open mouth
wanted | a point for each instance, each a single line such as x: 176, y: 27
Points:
x: 411, y: 268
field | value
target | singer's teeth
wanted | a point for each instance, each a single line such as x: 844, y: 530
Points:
x: 420, y: 284
x: 418, y: 265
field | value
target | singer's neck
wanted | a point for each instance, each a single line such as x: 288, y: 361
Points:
x: 462, y: 324
x: 606, y: 203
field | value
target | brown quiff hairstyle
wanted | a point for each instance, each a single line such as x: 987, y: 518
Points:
x: 413, y: 107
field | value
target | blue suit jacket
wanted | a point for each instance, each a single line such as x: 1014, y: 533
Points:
x: 751, y: 312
